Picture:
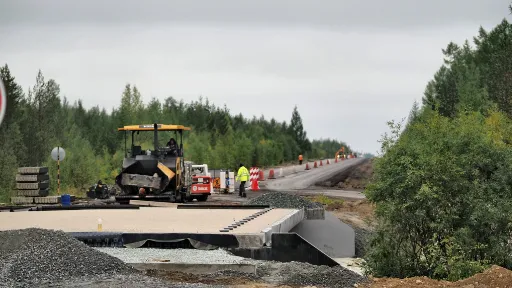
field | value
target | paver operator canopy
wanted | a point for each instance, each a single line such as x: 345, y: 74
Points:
x: 161, y: 171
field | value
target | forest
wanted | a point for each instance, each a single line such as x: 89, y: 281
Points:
x: 443, y: 188
x: 40, y: 119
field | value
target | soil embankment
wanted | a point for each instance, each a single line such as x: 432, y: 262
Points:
x: 355, y: 178
x: 495, y: 277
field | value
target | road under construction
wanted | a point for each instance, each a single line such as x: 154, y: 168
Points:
x: 287, y: 230
x: 242, y: 228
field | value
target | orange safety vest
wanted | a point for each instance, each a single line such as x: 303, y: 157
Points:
x: 300, y: 157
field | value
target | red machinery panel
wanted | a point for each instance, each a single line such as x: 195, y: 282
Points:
x: 201, y: 185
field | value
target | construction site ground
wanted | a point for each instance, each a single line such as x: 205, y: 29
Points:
x: 338, y: 187
x: 494, y: 277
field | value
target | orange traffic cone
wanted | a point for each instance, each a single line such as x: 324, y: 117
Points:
x: 261, y: 176
x: 307, y: 166
x: 254, y: 185
x: 271, y: 174
x: 315, y: 166
x: 327, y: 162
x: 321, y: 163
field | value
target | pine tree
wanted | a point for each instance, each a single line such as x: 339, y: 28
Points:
x: 472, y: 96
x: 46, y: 104
x: 126, y: 108
x: 153, y: 113
x: 414, y: 113
x: 297, y: 131
x: 9, y: 162
x: 137, y: 105
x: 14, y: 92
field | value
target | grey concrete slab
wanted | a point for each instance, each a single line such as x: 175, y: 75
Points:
x: 331, y: 236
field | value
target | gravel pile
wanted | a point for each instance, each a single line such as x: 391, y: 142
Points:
x: 362, y: 236
x: 233, y: 273
x: 36, y: 256
x: 189, y: 256
x: 304, y: 274
x: 283, y: 200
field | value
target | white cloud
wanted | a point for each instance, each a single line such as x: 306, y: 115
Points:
x: 347, y: 82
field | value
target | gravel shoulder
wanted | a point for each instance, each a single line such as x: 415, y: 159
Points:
x: 188, y: 256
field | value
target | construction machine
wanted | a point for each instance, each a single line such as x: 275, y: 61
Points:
x: 160, y: 174
x: 100, y: 191
x: 342, y: 151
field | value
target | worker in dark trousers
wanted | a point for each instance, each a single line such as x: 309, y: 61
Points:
x: 242, y: 176
x: 300, y: 159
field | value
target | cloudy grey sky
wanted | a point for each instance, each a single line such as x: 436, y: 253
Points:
x: 348, y: 65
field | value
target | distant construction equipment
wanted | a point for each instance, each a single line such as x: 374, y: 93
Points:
x: 161, y: 174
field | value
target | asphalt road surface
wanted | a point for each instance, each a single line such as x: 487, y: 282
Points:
x: 297, y: 180
x: 304, y: 179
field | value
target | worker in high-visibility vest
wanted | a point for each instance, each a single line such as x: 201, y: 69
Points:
x: 300, y: 159
x: 242, y: 176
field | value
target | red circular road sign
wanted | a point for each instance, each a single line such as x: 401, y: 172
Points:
x: 3, y: 101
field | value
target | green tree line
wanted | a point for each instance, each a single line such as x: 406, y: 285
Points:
x: 41, y: 119
x: 443, y: 186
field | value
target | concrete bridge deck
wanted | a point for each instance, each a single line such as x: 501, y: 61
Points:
x: 159, y: 220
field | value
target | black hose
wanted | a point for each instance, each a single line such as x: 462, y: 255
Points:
x: 81, y: 207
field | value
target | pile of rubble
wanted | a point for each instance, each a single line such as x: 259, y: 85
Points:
x: 283, y: 200
x: 36, y: 256
x: 305, y: 274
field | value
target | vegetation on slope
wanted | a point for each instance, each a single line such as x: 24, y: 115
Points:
x: 443, y: 188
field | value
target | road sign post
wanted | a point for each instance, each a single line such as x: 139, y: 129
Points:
x: 3, y: 101
x: 58, y: 154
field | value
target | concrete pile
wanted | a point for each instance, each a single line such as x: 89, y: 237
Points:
x: 33, y: 186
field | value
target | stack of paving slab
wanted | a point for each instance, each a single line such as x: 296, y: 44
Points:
x: 33, y: 186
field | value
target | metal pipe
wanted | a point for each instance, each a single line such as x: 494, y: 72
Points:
x: 213, y: 206
x: 133, y: 135
x: 155, y: 139
x: 81, y: 207
x: 125, y: 152
x: 181, y: 144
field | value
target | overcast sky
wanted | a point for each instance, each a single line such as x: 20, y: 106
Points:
x: 348, y: 65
